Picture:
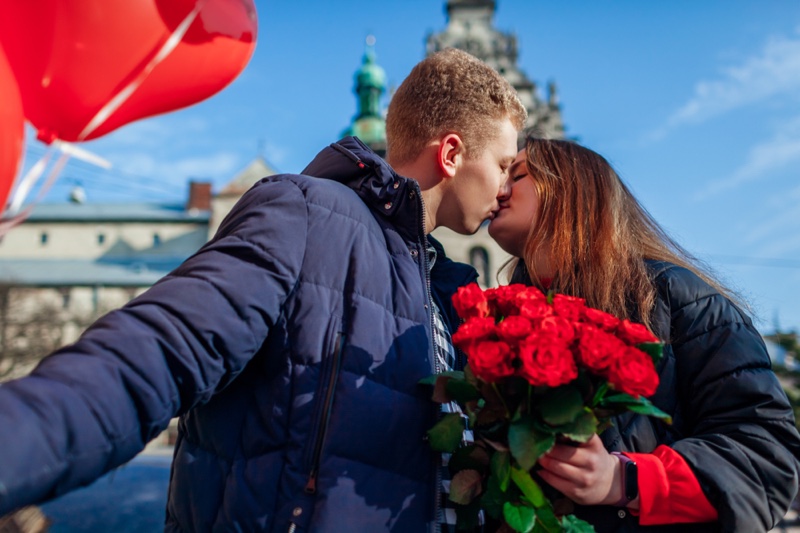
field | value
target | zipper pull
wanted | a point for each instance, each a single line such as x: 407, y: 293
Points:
x: 311, y: 485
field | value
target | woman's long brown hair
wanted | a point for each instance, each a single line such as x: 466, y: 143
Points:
x: 596, y: 233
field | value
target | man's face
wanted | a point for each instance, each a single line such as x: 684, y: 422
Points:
x: 483, y: 177
x: 512, y: 222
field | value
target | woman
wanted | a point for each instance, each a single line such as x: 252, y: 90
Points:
x: 729, y: 460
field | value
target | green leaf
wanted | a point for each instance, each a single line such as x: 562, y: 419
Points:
x: 530, y: 489
x: 465, y: 486
x: 527, y: 444
x: 469, y: 457
x: 618, y: 399
x: 469, y: 376
x: 461, y: 391
x: 646, y: 407
x: 501, y: 469
x: 521, y: 518
x: 546, y: 520
x: 582, y: 429
x: 431, y: 380
x: 446, y: 435
x: 598, y: 395
x: 654, y: 349
x: 561, y: 406
x: 572, y: 524
x: 493, y: 499
x: 639, y: 405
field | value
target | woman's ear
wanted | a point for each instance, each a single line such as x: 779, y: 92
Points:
x: 451, y: 150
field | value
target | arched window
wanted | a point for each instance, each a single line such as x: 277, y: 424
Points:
x: 479, y: 259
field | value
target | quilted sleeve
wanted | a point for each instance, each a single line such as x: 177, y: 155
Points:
x: 93, y: 405
x: 740, y: 438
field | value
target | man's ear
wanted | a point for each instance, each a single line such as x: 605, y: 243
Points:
x: 451, y: 150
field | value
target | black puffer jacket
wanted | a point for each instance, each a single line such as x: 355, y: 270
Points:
x: 732, y: 421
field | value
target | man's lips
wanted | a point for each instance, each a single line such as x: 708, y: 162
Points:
x: 497, y: 211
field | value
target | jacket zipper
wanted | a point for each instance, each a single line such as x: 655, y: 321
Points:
x: 311, y: 484
x: 436, y: 528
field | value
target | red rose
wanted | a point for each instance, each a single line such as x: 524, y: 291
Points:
x: 491, y: 360
x: 504, y: 298
x: 601, y: 319
x: 634, y: 373
x: 470, y: 301
x: 557, y: 327
x: 473, y: 330
x: 513, y: 329
x: 570, y: 307
x: 528, y: 294
x: 597, y: 350
x: 547, y: 361
x: 534, y: 309
x: 633, y: 333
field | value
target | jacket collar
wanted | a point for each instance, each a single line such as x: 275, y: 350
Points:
x: 394, y: 197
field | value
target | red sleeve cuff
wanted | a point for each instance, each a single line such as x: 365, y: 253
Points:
x: 669, y: 492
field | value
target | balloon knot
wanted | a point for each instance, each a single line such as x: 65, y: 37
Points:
x: 46, y: 136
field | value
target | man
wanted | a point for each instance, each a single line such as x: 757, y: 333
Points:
x: 292, y: 343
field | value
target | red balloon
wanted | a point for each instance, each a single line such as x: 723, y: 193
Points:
x: 72, y: 57
x: 12, y: 132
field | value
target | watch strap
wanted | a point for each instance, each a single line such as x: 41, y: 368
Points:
x: 630, y: 480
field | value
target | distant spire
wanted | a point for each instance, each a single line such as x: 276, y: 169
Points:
x: 552, y: 95
x: 370, y: 84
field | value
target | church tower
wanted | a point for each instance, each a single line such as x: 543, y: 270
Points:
x: 369, y: 124
x: 470, y: 28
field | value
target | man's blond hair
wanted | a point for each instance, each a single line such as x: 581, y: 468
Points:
x: 450, y: 91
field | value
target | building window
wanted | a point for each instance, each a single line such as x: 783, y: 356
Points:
x: 156, y: 240
x: 479, y: 259
x: 43, y: 238
x: 101, y: 239
x: 66, y: 297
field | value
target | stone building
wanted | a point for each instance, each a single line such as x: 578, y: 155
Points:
x: 470, y: 27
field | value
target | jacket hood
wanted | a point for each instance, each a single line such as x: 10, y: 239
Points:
x: 394, y: 197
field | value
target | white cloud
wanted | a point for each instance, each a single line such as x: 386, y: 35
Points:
x: 774, y: 154
x: 774, y: 71
x: 776, y: 235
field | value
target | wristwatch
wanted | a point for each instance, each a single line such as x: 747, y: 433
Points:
x: 630, y: 480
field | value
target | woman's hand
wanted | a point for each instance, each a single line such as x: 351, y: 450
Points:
x: 587, y: 474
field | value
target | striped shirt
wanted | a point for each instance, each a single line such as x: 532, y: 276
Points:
x: 446, y: 358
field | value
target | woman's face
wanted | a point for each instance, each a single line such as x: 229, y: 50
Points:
x: 512, y: 221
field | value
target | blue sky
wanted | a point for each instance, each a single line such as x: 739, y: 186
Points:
x: 697, y: 104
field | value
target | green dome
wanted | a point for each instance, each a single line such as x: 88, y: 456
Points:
x: 370, y: 74
x: 371, y: 130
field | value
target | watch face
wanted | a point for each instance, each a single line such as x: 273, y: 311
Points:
x: 631, y: 480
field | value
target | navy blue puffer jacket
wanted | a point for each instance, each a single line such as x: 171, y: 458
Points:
x: 291, y: 344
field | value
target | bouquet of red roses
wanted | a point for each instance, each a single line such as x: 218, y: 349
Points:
x: 541, y: 368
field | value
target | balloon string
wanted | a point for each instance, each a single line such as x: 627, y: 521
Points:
x: 27, y: 183
x: 7, y: 223
x: 120, y: 98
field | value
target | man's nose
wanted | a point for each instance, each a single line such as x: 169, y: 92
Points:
x: 505, y: 189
